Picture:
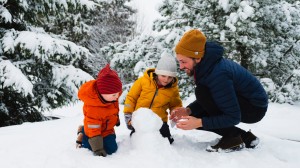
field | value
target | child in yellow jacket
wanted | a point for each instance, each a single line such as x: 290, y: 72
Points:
x: 157, y: 90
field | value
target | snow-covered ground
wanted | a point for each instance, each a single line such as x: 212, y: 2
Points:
x: 52, y: 144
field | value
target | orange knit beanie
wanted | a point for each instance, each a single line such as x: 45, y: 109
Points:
x: 192, y: 44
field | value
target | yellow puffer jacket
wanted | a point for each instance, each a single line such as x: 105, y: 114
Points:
x: 145, y: 90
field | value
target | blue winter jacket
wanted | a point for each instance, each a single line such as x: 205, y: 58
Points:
x: 225, y: 80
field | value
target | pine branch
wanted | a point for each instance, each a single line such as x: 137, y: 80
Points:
x: 285, y: 53
x: 288, y: 79
x: 187, y: 5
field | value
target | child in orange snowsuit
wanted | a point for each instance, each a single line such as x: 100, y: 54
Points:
x: 156, y: 90
x: 100, y: 109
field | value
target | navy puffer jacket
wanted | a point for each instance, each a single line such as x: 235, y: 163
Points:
x: 225, y: 80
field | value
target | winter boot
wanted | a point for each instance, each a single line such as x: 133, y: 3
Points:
x: 250, y: 140
x: 227, y: 144
x: 79, y: 137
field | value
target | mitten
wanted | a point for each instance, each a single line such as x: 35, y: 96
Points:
x: 97, y: 146
x: 128, y: 117
x: 165, y: 132
x: 118, y: 122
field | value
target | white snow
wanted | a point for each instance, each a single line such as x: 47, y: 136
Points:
x: 12, y: 76
x: 72, y: 78
x: 52, y: 143
x: 224, y: 4
x: 244, y: 12
x: 34, y: 42
x: 5, y: 15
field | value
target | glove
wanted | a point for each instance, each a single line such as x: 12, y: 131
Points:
x: 128, y: 117
x: 177, y: 113
x: 97, y: 146
x: 118, y: 122
x: 165, y: 132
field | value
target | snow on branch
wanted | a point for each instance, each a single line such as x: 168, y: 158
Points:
x: 5, y: 14
x: 66, y: 3
x: 12, y: 76
x: 42, y: 46
x: 71, y: 79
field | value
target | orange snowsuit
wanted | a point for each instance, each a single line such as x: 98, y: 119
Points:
x: 99, y: 118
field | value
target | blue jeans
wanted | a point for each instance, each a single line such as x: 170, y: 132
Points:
x: 109, y: 143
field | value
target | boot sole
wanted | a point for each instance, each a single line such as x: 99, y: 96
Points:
x: 232, y: 149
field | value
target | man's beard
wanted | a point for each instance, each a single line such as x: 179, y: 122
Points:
x: 191, y: 71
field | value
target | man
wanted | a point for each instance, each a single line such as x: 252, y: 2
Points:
x: 226, y: 94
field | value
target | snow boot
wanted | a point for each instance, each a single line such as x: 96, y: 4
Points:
x: 250, y: 140
x: 79, y: 137
x: 227, y: 144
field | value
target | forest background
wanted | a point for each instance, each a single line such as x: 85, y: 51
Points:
x: 49, y: 48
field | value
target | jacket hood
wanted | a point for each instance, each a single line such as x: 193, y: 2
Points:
x: 213, y: 54
x: 88, y: 94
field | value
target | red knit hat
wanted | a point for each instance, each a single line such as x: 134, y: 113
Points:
x: 108, y: 81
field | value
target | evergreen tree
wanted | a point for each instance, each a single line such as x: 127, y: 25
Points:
x: 261, y: 35
x: 39, y: 67
x: 111, y: 23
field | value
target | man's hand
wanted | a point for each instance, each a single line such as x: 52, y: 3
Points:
x: 189, y: 123
x: 177, y: 113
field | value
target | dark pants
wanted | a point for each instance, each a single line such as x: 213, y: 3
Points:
x: 249, y: 113
x: 109, y: 143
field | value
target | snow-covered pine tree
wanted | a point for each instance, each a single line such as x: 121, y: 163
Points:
x: 39, y: 67
x: 111, y: 23
x: 262, y: 35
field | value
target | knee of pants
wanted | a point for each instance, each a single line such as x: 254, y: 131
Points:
x: 110, y: 144
x: 254, y: 118
x: 85, y: 140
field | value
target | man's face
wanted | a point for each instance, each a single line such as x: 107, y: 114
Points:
x: 187, y: 64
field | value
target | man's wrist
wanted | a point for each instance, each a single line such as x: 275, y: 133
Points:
x: 189, y: 111
x: 199, y: 124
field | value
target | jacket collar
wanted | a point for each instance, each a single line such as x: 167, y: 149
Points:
x: 213, y: 54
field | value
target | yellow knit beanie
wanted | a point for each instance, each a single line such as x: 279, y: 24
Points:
x: 192, y: 44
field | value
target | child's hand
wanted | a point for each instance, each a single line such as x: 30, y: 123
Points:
x: 128, y: 117
x: 97, y: 146
x: 177, y: 113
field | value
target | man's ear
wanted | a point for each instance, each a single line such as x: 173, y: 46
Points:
x: 197, y: 60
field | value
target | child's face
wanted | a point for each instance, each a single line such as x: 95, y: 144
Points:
x: 111, y: 97
x: 164, y: 80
